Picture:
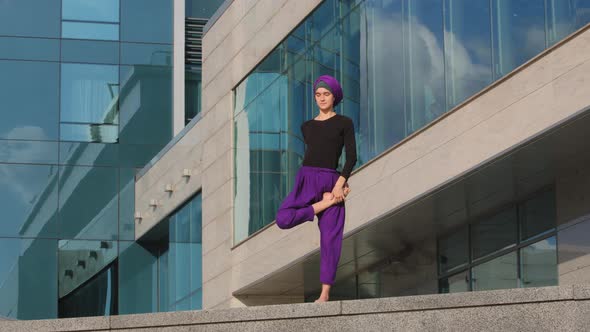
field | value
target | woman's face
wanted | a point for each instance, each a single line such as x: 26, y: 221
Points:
x: 324, y: 98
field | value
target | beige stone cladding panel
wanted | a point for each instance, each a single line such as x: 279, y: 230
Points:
x: 225, y: 24
x: 205, y: 145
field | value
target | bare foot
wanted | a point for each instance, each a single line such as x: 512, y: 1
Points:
x: 327, y: 201
x: 321, y: 299
x: 325, y: 294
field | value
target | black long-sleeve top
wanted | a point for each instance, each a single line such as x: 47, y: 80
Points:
x: 324, y: 140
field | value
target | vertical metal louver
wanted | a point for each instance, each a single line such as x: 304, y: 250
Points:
x: 193, y: 41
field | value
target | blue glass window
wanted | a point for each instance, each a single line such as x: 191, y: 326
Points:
x: 25, y: 151
x: 494, y: 233
x: 518, y: 29
x: 97, y: 133
x: 138, y: 278
x: 154, y: 25
x: 29, y: 48
x: 146, y: 54
x: 87, y: 30
x: 499, y: 273
x: 28, y: 278
x: 89, y: 93
x: 126, y: 204
x: 86, y: 51
x: 565, y: 17
x: 90, y: 19
x: 468, y: 56
x: 24, y: 117
x: 539, y: 264
x: 88, y: 154
x: 91, y: 10
x: 28, y: 200
x: 537, y: 215
x: 81, y: 260
x: 146, y: 104
x: 30, y: 18
x: 88, y: 211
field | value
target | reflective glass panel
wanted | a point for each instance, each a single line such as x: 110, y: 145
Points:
x: 494, y: 233
x: 499, y: 273
x: 89, y: 93
x: 565, y: 17
x: 146, y: 105
x: 28, y: 200
x: 86, y: 30
x: 539, y: 264
x: 80, y: 261
x: 574, y: 247
x: 29, y: 48
x: 538, y: 215
x: 468, y: 59
x: 88, y: 154
x: 138, y: 278
x: 91, y: 10
x: 28, y: 278
x: 146, y: 54
x: 86, y: 51
x: 453, y: 250
x: 382, y: 62
x: 97, y: 297
x: 197, y: 300
x: 180, y: 224
x: 425, y: 99
x: 154, y: 25
x: 88, y: 210
x: 17, y: 18
x: 136, y: 155
x: 24, y: 117
x: 89, y: 133
x: 193, y: 95
x: 518, y: 30
x: 37, y: 152
x: 127, y: 204
x: 454, y: 284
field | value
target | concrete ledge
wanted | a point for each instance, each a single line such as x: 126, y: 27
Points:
x: 559, y: 308
x: 463, y: 300
x: 63, y: 324
x: 280, y: 311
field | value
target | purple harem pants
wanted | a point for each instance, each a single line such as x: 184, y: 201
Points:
x: 310, y: 185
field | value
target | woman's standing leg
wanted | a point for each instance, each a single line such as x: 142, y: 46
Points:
x: 331, y: 225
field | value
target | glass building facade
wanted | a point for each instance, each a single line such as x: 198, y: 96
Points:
x: 510, y: 248
x: 402, y: 64
x: 86, y: 90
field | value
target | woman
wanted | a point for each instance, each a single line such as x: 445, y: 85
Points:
x: 319, y: 189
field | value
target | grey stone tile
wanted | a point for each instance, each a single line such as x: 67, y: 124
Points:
x: 581, y: 291
x: 290, y: 311
x: 436, y: 301
x: 64, y: 324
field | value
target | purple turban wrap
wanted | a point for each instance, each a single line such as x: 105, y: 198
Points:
x: 331, y: 84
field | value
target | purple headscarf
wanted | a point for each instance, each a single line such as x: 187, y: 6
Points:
x: 333, y: 85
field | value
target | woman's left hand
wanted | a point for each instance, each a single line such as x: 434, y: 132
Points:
x: 338, y: 193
